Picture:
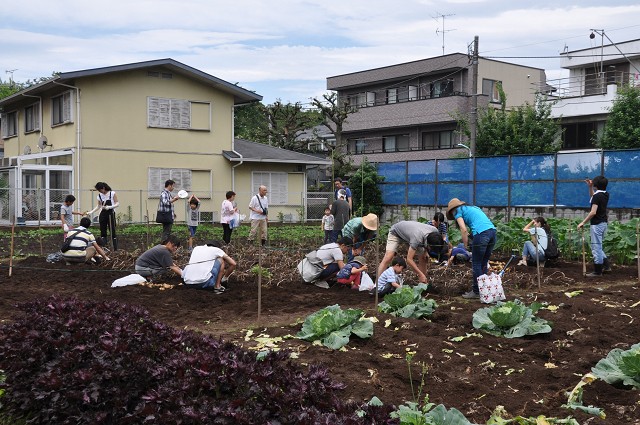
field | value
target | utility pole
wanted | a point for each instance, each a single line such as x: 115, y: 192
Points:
x: 474, y: 97
x: 440, y: 15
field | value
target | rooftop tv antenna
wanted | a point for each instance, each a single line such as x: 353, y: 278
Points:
x: 10, y: 72
x: 443, y: 31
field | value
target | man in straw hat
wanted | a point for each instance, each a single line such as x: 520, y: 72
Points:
x: 484, y: 238
x: 421, y: 238
x: 361, y: 229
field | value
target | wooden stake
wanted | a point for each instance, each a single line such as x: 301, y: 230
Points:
x: 375, y: 282
x: 13, y: 230
x: 259, y: 274
x: 584, y: 256
x: 638, y: 247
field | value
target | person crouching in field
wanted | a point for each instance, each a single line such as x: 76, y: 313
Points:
x: 391, y: 278
x: 534, y: 249
x: 209, y: 267
x: 82, y: 244
x: 159, y: 259
x: 351, y: 273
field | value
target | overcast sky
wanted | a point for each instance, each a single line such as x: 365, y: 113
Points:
x: 285, y: 49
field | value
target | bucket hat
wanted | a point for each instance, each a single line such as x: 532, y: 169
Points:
x: 370, y: 221
x: 454, y: 203
x: 360, y: 260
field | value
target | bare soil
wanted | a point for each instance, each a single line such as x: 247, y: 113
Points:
x: 528, y: 376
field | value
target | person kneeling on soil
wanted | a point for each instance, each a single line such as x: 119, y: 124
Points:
x: 82, y: 244
x: 351, y: 273
x: 459, y: 255
x: 159, y: 260
x: 324, y: 263
x: 209, y: 267
x: 391, y: 278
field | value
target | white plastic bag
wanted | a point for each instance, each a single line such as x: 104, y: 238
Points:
x: 366, y: 283
x: 235, y: 221
x: 490, y: 287
x: 132, y: 279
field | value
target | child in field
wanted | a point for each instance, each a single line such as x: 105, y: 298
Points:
x: 391, y: 279
x: 193, y: 218
x: 66, y: 214
x: 351, y: 273
x: 459, y: 255
x: 327, y: 224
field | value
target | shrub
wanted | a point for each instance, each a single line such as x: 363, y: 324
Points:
x: 68, y: 361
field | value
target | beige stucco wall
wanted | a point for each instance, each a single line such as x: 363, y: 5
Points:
x: 519, y: 82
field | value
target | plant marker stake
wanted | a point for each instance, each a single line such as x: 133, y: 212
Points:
x: 584, y: 258
x: 538, y: 259
x: 638, y: 247
x: 146, y: 207
x: 13, y: 230
x: 259, y: 273
x: 375, y: 308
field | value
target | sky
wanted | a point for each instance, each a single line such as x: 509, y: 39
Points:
x: 285, y: 49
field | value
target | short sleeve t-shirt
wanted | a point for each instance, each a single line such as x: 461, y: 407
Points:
x: 330, y: 253
x: 388, y: 276
x: 193, y: 216
x: 327, y: 222
x: 601, y: 199
x: 200, y: 264
x: 412, y: 232
x: 66, y: 213
x: 542, y: 237
x: 81, y: 239
x: 158, y: 257
x: 474, y: 218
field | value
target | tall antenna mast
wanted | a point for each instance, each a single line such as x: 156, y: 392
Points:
x: 443, y: 31
x: 10, y: 72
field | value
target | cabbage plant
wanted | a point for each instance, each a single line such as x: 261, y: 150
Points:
x: 333, y: 326
x: 408, y: 302
x: 511, y: 319
x: 620, y: 367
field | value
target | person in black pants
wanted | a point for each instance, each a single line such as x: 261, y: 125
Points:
x: 107, y: 203
x: 228, y: 210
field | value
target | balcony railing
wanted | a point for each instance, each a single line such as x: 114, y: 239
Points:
x: 585, y: 85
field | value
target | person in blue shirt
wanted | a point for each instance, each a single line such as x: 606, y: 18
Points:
x: 347, y: 192
x: 471, y: 218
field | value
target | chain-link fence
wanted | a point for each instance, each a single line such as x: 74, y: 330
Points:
x: 38, y: 206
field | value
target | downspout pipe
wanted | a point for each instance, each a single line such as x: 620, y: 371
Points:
x: 233, y: 144
x: 78, y: 138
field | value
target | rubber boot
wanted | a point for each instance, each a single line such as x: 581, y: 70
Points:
x: 597, y: 271
x: 606, y: 265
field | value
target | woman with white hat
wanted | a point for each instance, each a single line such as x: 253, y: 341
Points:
x: 484, y: 238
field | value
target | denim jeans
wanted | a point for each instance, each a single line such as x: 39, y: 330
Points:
x: 329, y: 271
x: 597, y: 235
x: 529, y: 252
x: 481, y: 250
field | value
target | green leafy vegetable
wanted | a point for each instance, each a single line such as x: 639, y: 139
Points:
x: 407, y: 302
x: 620, y: 367
x: 413, y: 414
x: 511, y: 319
x: 333, y: 326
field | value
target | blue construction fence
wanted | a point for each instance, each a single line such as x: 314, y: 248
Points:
x: 549, y: 180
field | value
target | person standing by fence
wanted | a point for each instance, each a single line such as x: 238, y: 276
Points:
x: 259, y: 205
x: 107, y: 203
x: 166, y: 214
x: 598, y: 223
x: 227, y: 212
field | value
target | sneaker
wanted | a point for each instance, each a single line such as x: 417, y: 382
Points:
x: 471, y: 295
x: 321, y: 284
x: 521, y: 263
x: 219, y: 290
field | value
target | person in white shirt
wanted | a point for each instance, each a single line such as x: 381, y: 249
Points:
x: 209, y: 267
x: 538, y: 229
x: 258, y: 206
x: 107, y: 203
x: 228, y: 211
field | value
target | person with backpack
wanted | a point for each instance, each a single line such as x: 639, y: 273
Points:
x: 81, y: 246
x: 534, y: 250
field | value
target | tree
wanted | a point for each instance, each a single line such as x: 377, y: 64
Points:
x: 367, y: 197
x: 622, y: 130
x: 334, y: 114
x: 250, y: 122
x: 527, y: 129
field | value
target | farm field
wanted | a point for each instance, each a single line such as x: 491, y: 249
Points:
x: 528, y: 376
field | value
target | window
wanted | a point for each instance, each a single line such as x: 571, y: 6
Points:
x: 357, y: 100
x: 438, y: 140
x: 392, y: 95
x: 371, y: 98
x: 277, y: 185
x: 32, y: 118
x: 9, y: 123
x: 356, y: 146
x: 61, y: 109
x: 492, y: 89
x: 396, y: 143
x: 157, y: 177
x: 178, y: 114
x: 442, y: 88
x: 413, y: 92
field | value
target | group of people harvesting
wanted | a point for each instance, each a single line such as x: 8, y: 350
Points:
x: 341, y: 258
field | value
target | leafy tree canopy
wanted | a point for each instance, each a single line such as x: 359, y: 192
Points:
x: 527, y: 129
x: 367, y: 197
x: 622, y: 130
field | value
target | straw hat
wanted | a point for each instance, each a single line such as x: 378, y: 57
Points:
x: 360, y: 260
x: 454, y: 203
x: 370, y: 221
